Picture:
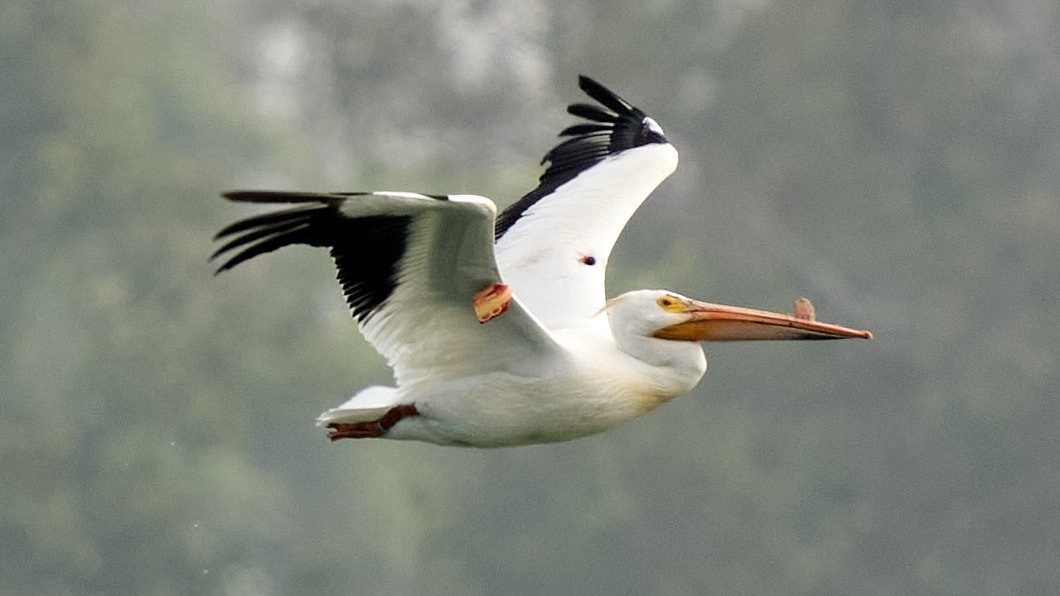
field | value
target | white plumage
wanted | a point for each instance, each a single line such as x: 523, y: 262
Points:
x: 498, y: 329
x: 541, y: 254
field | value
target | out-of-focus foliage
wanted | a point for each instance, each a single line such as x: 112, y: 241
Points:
x: 895, y: 161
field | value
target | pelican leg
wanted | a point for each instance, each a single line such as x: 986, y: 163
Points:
x: 371, y: 429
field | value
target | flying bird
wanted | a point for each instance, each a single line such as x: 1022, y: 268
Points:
x: 497, y: 327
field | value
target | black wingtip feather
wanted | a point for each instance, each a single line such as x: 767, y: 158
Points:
x: 283, y: 196
x: 604, y: 95
x: 366, y: 249
x: 252, y: 235
x: 267, y: 245
x: 264, y: 219
x: 591, y: 112
x: 613, y: 126
x: 584, y: 129
x: 257, y: 235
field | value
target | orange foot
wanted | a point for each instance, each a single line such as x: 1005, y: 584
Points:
x: 371, y: 429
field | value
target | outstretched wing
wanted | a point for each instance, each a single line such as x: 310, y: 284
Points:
x: 410, y: 266
x: 554, y: 243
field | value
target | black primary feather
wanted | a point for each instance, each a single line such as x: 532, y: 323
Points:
x: 609, y: 131
x: 366, y: 250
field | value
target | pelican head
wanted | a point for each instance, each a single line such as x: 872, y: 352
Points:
x: 661, y: 328
x: 662, y: 314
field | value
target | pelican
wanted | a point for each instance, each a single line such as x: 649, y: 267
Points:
x: 497, y: 327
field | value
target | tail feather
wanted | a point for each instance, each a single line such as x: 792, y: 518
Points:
x: 371, y: 403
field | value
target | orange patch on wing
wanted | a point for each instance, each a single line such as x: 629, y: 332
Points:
x: 492, y: 302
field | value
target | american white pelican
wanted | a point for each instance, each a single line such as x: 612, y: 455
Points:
x: 497, y: 328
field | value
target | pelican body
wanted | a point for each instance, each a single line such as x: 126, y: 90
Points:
x: 497, y: 327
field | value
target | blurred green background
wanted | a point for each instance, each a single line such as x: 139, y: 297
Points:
x: 896, y: 161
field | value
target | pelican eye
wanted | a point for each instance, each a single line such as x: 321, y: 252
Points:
x: 670, y: 304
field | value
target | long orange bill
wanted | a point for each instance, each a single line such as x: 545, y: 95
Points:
x: 718, y: 322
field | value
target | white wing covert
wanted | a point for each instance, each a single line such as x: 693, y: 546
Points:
x: 554, y: 243
x: 410, y: 266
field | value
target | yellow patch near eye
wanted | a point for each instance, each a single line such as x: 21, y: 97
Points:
x: 671, y: 304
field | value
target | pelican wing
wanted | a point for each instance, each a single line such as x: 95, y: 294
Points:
x: 410, y: 266
x: 554, y: 243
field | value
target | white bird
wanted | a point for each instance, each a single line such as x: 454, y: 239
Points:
x: 497, y: 328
